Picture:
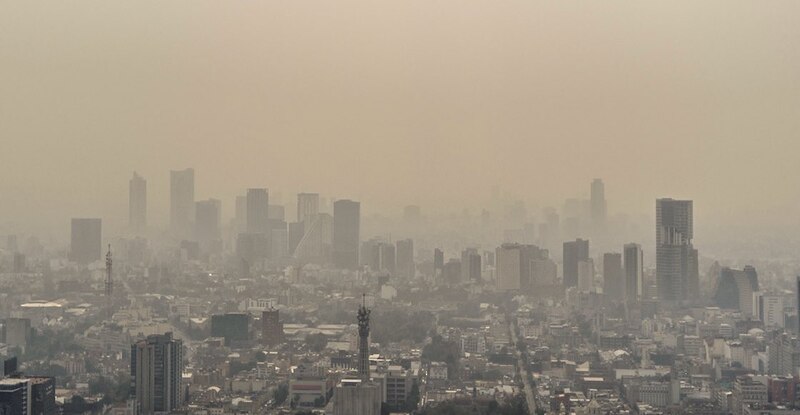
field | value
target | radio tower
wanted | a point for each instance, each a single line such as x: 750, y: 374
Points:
x: 109, y: 284
x: 363, y: 340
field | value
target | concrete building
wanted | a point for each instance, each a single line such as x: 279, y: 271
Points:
x: 470, y: 265
x: 356, y: 397
x: 734, y: 289
x: 156, y: 372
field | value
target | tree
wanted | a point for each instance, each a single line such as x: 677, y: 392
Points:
x: 316, y: 342
x: 280, y: 394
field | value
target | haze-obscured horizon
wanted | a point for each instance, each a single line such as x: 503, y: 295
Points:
x: 398, y: 103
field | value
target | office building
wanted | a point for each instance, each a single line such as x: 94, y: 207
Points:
x: 346, y: 233
x: 181, y: 199
x: 513, y: 262
x: 356, y: 397
x: 15, y: 397
x: 156, y: 374
x: 43, y: 395
x: 405, y: 267
x: 677, y: 275
x: 574, y: 252
x: 613, y: 277
x: 257, y: 211
x: 307, y: 206
x: 137, y: 204
x: 316, y: 239
x: 633, y: 257
x: 271, y: 328
x: 234, y: 327
x: 597, y: 204
x: 470, y: 265
x: 769, y: 309
x: 87, y: 244
x: 734, y: 289
x: 586, y: 275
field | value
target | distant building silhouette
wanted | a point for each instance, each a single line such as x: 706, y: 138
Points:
x: 597, y: 204
x: 137, y: 204
x: 734, y: 289
x: 405, y: 258
x: 574, y: 252
x: 346, y: 233
x: 307, y: 207
x: 633, y: 259
x: 257, y: 211
x: 613, y: 277
x: 181, y: 197
x: 86, y: 240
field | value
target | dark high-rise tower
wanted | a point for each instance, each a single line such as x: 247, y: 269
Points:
x: 633, y: 258
x: 137, y: 204
x: 346, y: 233
x: 87, y: 245
x: 677, y: 275
x: 574, y: 252
x: 156, y: 372
x: 363, y: 341
x: 181, y: 201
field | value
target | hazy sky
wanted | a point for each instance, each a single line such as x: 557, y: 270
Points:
x: 398, y: 102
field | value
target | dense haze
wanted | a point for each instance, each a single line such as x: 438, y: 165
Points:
x: 394, y: 103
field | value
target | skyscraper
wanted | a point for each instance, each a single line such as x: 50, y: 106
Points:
x: 346, y: 233
x: 156, y: 372
x: 574, y: 252
x: 181, y: 197
x: 87, y: 244
x: 240, y: 214
x: 470, y: 265
x: 307, y: 206
x: 613, y: 277
x: 207, y: 220
x: 634, y: 271
x: 405, y: 258
x: 677, y: 275
x: 597, y: 203
x: 137, y: 204
x: 257, y: 211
